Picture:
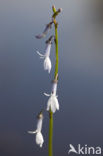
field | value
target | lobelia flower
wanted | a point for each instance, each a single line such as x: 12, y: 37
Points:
x: 53, y: 103
x: 46, y: 56
x: 48, y: 27
x: 39, y: 136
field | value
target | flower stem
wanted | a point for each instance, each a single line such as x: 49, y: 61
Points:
x: 56, y: 50
x: 55, y: 76
x: 50, y: 133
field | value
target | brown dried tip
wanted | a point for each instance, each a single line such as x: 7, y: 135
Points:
x: 50, y: 39
x: 53, y: 7
x: 60, y: 10
x: 40, y: 115
x: 56, y: 79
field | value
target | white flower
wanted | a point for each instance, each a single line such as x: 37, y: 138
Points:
x: 46, y: 57
x: 53, y: 103
x: 39, y: 136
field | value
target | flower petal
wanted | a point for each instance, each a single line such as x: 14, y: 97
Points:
x: 48, y: 105
x: 39, y: 139
x: 32, y: 132
x: 52, y: 103
x: 53, y: 108
x: 47, y: 64
x: 46, y: 94
x: 57, y: 104
x: 40, y: 54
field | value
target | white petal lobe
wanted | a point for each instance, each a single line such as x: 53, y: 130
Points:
x: 39, y: 139
x: 40, y: 54
x: 47, y: 64
x: 46, y: 94
x: 52, y: 103
x: 32, y: 132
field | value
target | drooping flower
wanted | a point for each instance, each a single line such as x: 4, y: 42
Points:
x: 39, y: 136
x: 53, y: 103
x: 47, y: 28
x: 46, y: 56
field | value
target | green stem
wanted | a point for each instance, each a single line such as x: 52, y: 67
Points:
x: 50, y: 133
x: 56, y: 50
x: 55, y: 74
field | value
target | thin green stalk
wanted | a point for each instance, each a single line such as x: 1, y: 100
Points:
x: 55, y: 75
x: 50, y: 133
x: 56, y: 50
